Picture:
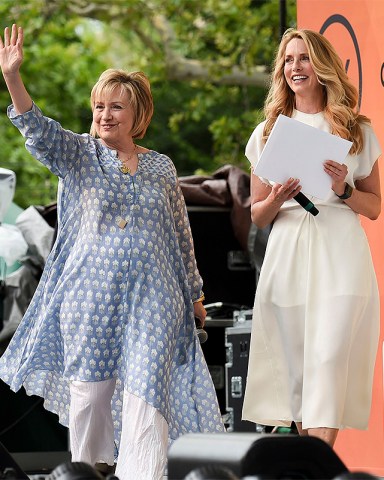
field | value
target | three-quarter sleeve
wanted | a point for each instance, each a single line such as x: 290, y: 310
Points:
x: 58, y: 149
x: 184, y: 235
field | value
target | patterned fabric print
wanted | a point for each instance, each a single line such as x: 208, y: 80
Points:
x: 114, y: 302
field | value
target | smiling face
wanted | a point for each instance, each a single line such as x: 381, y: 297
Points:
x: 113, y: 117
x: 299, y: 73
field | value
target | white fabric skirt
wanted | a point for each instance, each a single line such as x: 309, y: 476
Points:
x: 315, y: 325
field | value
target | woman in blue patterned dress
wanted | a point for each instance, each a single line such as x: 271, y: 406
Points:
x: 109, y: 338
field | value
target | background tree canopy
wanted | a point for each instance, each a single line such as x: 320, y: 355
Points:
x: 208, y: 63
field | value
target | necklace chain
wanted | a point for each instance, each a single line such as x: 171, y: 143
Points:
x: 125, y: 169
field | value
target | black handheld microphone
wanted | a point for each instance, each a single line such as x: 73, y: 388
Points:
x: 201, y: 333
x: 306, y: 203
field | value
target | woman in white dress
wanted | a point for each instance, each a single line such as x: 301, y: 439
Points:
x: 316, y: 315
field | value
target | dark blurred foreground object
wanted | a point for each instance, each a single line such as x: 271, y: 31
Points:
x: 266, y: 456
x: 23, y: 466
x: 11, y: 470
x: 356, y: 476
x: 75, y: 471
x: 211, y: 473
x: 221, y: 473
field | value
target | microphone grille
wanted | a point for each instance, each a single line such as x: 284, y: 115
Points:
x: 202, y: 335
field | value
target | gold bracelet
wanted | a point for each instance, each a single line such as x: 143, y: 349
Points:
x: 201, y: 299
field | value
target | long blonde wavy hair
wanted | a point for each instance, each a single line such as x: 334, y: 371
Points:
x: 340, y: 96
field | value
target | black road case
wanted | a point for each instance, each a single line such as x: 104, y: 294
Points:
x: 215, y: 355
x: 237, y: 341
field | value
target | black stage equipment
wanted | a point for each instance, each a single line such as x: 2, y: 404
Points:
x: 9, y: 468
x: 215, y: 355
x: 211, y: 473
x: 237, y: 343
x: 269, y: 456
x: 227, y: 274
x: 76, y: 471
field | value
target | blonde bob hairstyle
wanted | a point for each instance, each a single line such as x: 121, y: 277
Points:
x: 340, y: 96
x: 136, y: 84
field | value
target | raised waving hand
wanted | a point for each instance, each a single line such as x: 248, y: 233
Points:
x: 11, y: 58
x: 11, y: 50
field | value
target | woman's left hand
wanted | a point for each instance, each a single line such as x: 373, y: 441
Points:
x: 11, y: 50
x: 338, y: 173
x: 200, y: 312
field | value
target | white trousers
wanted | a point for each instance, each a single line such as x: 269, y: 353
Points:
x: 144, y: 436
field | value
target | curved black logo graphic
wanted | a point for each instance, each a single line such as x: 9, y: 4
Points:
x: 345, y: 23
x: 382, y: 75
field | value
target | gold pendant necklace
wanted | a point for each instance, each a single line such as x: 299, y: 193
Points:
x: 123, y: 167
x: 122, y: 223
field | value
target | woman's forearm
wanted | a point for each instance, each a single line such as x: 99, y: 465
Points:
x: 21, y: 99
x: 367, y: 204
x: 264, y: 212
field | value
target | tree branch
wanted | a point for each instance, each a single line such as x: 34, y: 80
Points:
x: 178, y: 67
x: 181, y: 68
x: 185, y: 69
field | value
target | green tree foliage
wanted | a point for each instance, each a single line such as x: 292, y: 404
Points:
x: 208, y: 62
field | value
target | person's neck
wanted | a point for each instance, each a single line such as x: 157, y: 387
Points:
x: 308, y: 106
x: 126, y: 147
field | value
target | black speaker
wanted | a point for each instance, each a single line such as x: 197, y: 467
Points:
x: 227, y: 275
x: 266, y: 456
x: 9, y: 467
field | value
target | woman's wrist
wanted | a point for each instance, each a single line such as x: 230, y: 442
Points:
x: 346, y: 192
x: 200, y: 299
x: 339, y: 188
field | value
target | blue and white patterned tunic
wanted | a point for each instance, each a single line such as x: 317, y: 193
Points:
x: 113, y: 302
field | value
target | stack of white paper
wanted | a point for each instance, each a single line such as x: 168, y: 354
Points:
x: 295, y: 149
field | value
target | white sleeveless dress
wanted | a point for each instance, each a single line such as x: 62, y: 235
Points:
x: 316, y: 318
